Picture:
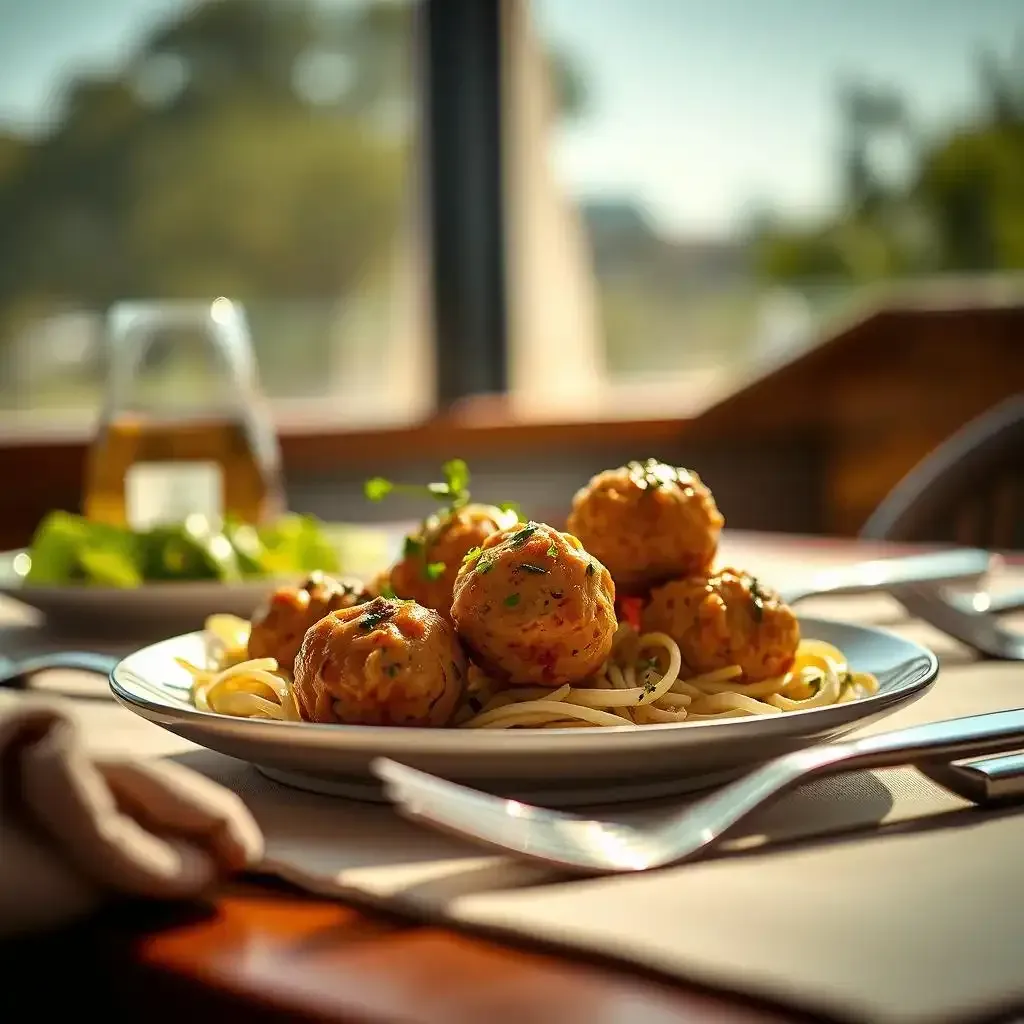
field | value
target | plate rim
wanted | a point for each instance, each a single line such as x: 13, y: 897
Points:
x: 922, y: 669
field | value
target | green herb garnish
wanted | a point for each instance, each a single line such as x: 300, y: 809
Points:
x: 379, y: 610
x: 485, y: 565
x: 537, y: 570
x: 511, y: 601
x: 413, y: 546
x: 377, y: 488
x: 649, y: 684
x: 756, y: 599
x: 510, y: 506
x: 392, y: 669
x: 552, y: 550
x: 387, y: 590
x: 472, y: 555
x: 520, y: 537
x: 454, y: 489
x: 433, y: 570
x: 652, y: 474
x: 590, y: 569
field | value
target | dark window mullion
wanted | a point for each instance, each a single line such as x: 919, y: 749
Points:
x: 463, y: 151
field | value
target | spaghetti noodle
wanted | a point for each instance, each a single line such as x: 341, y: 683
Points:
x: 641, y: 683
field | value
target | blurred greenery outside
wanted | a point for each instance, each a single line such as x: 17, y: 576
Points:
x: 959, y: 210
x: 259, y: 149
x: 262, y: 149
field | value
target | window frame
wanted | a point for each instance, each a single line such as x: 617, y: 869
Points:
x: 461, y: 164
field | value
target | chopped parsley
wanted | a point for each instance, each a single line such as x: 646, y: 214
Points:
x: 511, y: 601
x: 413, y: 546
x: 590, y: 569
x: 756, y: 599
x: 486, y: 564
x: 537, y: 570
x: 552, y: 551
x: 433, y: 571
x: 652, y: 474
x: 379, y: 610
x: 520, y: 537
x: 649, y: 684
x: 472, y: 555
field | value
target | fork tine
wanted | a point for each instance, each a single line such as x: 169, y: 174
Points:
x: 447, y: 805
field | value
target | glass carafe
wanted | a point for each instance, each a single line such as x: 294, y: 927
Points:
x: 184, y: 429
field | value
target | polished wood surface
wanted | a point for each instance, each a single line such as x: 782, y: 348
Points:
x: 266, y: 955
x: 331, y: 961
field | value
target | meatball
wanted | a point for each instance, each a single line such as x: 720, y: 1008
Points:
x: 279, y: 626
x: 434, y: 553
x: 726, y: 619
x: 388, y: 662
x: 648, y: 523
x: 533, y: 606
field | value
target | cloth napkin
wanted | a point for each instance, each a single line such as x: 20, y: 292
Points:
x: 76, y: 828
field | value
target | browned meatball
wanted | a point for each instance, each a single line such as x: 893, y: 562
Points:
x: 434, y: 553
x: 534, y: 607
x: 648, y: 523
x: 388, y: 662
x: 726, y: 619
x: 279, y: 626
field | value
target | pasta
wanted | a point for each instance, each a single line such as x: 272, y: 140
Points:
x: 641, y: 683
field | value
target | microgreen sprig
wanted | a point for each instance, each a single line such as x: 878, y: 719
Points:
x: 453, y: 490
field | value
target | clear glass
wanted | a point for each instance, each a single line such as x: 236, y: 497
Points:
x: 169, y: 149
x: 744, y: 177
x: 184, y: 429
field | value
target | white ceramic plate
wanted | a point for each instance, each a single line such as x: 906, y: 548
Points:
x: 551, y: 766
x: 157, y: 609
x: 155, y: 606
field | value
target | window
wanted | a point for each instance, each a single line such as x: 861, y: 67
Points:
x: 738, y: 174
x: 258, y: 149
x: 629, y: 203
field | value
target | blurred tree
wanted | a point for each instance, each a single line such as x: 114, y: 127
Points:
x: 255, y: 148
x: 572, y: 97
x: 961, y: 207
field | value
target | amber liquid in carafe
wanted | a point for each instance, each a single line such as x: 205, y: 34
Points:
x: 188, y: 464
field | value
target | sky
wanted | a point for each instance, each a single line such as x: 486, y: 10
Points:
x: 700, y: 110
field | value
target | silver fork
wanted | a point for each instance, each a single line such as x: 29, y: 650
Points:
x: 589, y: 846
x: 16, y: 673
x: 932, y: 569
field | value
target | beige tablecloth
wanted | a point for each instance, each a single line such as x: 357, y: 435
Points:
x: 914, y: 913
